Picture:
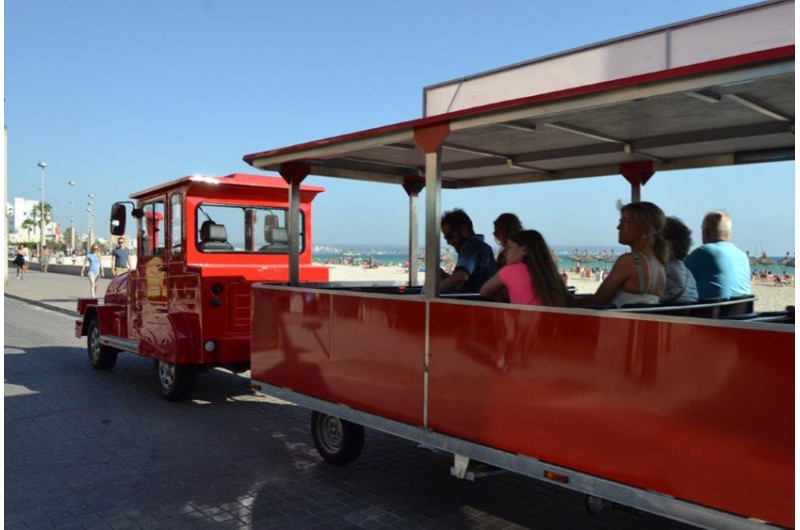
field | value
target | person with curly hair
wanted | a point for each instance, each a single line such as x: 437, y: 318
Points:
x: 681, y: 286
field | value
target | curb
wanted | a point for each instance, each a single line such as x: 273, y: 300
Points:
x: 44, y: 305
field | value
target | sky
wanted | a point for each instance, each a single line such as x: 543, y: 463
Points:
x: 121, y: 96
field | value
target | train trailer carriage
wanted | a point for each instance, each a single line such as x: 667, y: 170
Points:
x: 683, y: 411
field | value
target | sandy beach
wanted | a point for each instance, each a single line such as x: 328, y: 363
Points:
x: 769, y: 297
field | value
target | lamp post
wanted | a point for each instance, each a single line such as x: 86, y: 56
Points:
x: 71, y: 185
x: 42, y: 242
x: 90, y: 210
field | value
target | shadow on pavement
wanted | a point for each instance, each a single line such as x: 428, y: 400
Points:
x: 88, y: 448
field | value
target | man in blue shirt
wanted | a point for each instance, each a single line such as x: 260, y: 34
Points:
x: 476, y: 262
x: 122, y: 258
x: 720, y: 269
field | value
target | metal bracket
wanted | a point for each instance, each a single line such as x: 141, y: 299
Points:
x: 460, y: 468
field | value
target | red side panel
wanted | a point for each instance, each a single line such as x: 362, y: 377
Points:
x: 363, y: 351
x: 83, y: 303
x: 702, y: 413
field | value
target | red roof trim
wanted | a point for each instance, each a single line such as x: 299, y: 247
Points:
x: 234, y: 179
x: 763, y: 56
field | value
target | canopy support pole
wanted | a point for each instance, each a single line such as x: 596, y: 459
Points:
x: 637, y: 173
x: 430, y: 139
x: 294, y: 173
x: 413, y: 185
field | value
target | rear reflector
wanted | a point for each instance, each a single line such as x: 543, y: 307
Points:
x: 550, y: 475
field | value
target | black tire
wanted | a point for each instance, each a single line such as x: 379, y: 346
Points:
x: 175, y: 381
x: 337, y: 441
x: 101, y: 357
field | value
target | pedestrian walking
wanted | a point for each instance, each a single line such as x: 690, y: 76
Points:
x: 21, y: 261
x: 44, y: 258
x: 121, y: 257
x: 92, y: 262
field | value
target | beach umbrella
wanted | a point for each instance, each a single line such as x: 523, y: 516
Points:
x: 608, y: 258
x: 753, y: 261
x: 586, y: 258
x: 786, y: 262
x: 575, y: 256
x: 556, y: 259
x: 766, y: 260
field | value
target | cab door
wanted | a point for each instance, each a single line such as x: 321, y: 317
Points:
x: 183, y: 284
x: 149, y: 319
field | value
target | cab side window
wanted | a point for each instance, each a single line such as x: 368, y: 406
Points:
x: 176, y: 223
x: 151, y: 229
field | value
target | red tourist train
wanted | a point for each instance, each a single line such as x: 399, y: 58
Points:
x: 684, y: 411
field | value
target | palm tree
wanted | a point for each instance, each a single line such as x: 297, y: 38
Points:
x: 28, y: 225
x: 36, y: 212
x: 35, y: 217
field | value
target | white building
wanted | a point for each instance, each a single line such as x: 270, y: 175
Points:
x: 20, y: 210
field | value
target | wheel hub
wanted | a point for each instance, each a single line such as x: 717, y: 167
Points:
x: 332, y: 433
x: 166, y: 374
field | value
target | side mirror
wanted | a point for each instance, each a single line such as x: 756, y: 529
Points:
x: 118, y: 215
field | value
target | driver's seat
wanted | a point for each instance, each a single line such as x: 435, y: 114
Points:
x: 213, y: 238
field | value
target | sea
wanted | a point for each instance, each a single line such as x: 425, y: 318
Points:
x: 390, y: 255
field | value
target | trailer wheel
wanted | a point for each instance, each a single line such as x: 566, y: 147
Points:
x: 175, y: 381
x: 338, y: 441
x: 101, y: 357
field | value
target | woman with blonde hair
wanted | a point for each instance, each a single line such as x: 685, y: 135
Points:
x: 92, y: 261
x: 637, y: 277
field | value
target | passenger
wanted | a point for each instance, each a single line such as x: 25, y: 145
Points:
x: 505, y: 225
x: 719, y: 267
x: 475, y: 262
x: 638, y: 276
x: 530, y: 275
x: 681, y: 286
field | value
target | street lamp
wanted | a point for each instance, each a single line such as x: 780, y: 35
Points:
x: 90, y: 210
x: 41, y: 212
x: 71, y: 185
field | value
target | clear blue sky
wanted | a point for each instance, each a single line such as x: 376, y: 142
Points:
x: 120, y: 96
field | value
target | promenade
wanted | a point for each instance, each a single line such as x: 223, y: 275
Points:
x: 52, y: 290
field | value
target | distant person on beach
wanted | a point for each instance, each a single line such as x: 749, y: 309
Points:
x: 681, y: 285
x: 475, y: 262
x: 121, y: 257
x: 720, y: 269
x: 530, y: 276
x: 92, y: 262
x: 637, y: 277
x: 44, y: 258
x: 505, y: 225
x: 21, y: 261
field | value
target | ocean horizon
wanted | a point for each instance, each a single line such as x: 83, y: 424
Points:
x: 397, y: 255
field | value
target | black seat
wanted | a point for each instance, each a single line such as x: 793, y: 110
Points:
x: 213, y: 238
x: 277, y: 239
